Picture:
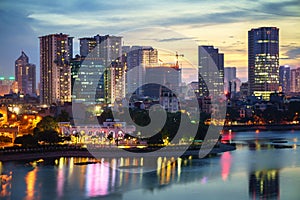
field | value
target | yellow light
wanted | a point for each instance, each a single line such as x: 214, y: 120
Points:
x: 16, y: 110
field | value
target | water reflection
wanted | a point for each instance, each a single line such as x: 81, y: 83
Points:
x: 105, y: 180
x: 264, y: 184
x: 5, y: 182
x: 30, y: 180
x: 225, y: 165
x: 99, y: 179
x: 251, y: 168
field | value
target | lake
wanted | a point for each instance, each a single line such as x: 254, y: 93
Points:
x: 260, y: 168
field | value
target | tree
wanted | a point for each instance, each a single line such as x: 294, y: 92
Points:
x: 26, y: 141
x: 48, y: 136
x: 232, y: 114
x: 48, y: 123
x: 272, y: 115
x: 140, y: 117
x: 293, y: 110
x: 106, y: 114
x: 63, y: 116
x: 47, y: 130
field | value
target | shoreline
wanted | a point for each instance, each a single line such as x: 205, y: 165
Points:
x: 266, y: 127
x: 107, y: 153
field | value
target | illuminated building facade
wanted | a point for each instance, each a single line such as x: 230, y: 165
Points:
x: 106, y: 49
x: 8, y: 85
x: 138, y: 57
x: 75, y: 64
x: 117, y: 81
x: 263, y: 61
x: 295, y: 80
x: 87, y: 45
x: 100, y: 68
x: 55, y: 73
x: 25, y: 74
x: 285, y: 78
x: 210, y: 80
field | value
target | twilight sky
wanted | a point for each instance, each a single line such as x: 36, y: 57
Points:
x: 172, y: 25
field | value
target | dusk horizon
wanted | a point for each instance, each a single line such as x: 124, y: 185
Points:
x: 224, y: 25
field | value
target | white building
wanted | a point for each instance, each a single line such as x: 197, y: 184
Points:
x: 169, y: 101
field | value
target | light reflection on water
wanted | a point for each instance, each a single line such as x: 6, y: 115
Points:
x: 255, y: 171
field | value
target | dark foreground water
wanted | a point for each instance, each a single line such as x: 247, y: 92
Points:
x: 259, y: 169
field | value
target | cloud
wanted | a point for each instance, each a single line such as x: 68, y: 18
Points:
x: 16, y: 35
x: 282, y: 8
x: 293, y: 53
x: 236, y: 12
x: 175, y: 39
x: 23, y: 21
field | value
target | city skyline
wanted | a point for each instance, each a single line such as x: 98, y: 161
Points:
x: 224, y: 25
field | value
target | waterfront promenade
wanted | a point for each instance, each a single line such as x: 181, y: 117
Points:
x: 105, y: 152
x: 266, y: 127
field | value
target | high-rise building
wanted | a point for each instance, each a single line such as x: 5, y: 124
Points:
x: 87, y: 45
x: 211, y: 71
x: 75, y: 65
x: 137, y: 59
x: 98, y: 77
x: 25, y: 74
x: 295, y: 80
x: 107, y: 48
x: 116, y: 81
x: 229, y: 75
x: 284, y: 78
x: 8, y: 85
x: 244, y: 89
x: 55, y: 73
x: 158, y: 76
x: 263, y: 61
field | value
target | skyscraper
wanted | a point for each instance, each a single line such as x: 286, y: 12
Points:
x: 98, y: 79
x: 263, y: 61
x: 116, y: 81
x: 55, y: 73
x: 229, y: 75
x: 211, y: 71
x: 295, y: 80
x: 107, y: 48
x: 284, y: 78
x: 25, y: 74
x: 166, y: 75
x: 137, y: 59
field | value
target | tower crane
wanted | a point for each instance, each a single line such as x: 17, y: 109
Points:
x: 176, y: 56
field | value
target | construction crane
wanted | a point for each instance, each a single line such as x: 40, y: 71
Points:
x: 176, y: 56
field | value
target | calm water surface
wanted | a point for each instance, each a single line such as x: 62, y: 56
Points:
x: 256, y: 170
